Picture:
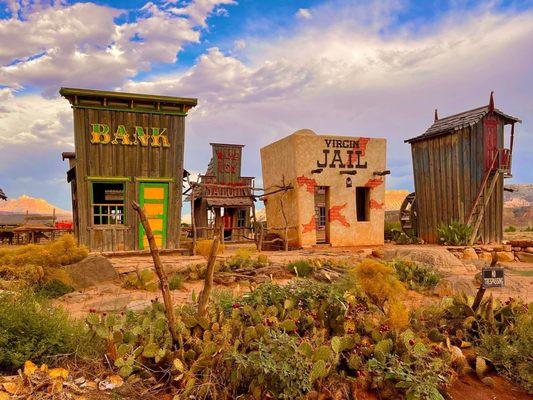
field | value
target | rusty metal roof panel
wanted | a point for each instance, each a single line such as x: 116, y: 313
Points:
x: 460, y: 121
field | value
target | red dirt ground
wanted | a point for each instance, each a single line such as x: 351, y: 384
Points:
x: 471, y: 388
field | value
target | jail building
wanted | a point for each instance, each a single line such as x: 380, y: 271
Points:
x: 128, y: 147
x: 337, y: 189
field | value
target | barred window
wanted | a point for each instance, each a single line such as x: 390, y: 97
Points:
x: 108, y: 203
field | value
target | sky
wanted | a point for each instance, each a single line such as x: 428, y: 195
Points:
x: 261, y: 70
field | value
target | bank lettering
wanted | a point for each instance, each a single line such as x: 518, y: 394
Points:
x: 342, y: 154
x: 137, y: 135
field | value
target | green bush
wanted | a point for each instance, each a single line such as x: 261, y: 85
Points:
x: 275, y: 342
x: 276, y: 367
x: 454, y: 234
x: 54, y: 288
x: 301, y: 268
x: 528, y: 229
x: 176, y: 281
x: 32, y: 329
x: 416, y: 275
x: 393, y: 230
x: 511, y: 350
x: 510, y: 228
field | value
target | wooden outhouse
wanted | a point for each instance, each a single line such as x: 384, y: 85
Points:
x: 459, y: 167
x: 127, y: 147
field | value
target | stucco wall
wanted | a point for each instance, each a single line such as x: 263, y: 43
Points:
x: 297, y: 155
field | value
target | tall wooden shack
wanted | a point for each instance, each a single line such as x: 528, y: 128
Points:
x: 127, y: 147
x: 223, y: 199
x: 459, y: 167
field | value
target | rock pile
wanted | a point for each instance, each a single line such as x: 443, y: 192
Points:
x: 515, y: 250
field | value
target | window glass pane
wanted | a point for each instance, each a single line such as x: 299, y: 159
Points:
x: 108, y: 203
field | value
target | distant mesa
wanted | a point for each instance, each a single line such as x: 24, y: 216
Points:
x: 394, y: 199
x: 33, y: 206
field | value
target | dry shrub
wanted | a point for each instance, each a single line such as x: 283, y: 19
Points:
x: 203, y: 247
x: 66, y: 251
x: 63, y: 251
x: 29, y: 274
x: 378, y: 281
x: 33, y: 264
x: 397, y: 315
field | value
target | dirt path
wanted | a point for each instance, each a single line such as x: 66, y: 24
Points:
x: 471, y: 388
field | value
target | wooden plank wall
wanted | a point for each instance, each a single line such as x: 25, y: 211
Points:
x: 448, y: 172
x: 135, y: 161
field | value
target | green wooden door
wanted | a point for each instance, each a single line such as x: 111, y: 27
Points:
x: 153, y: 197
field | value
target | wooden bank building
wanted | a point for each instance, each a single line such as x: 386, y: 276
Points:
x: 128, y: 147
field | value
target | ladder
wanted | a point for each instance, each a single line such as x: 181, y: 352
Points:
x: 482, y: 199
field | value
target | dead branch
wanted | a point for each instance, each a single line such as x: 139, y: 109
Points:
x: 208, y: 282
x: 163, y: 280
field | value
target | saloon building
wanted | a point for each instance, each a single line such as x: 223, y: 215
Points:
x: 223, y: 197
x: 338, y: 189
x: 128, y: 147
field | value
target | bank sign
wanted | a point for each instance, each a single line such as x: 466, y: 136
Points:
x: 339, y: 153
x: 129, y: 136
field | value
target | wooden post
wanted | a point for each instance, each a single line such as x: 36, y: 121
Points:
x: 163, y: 280
x: 481, y: 290
x: 221, y: 232
x: 203, y: 300
x: 254, y: 222
x: 286, y: 238
x: 260, y: 239
x: 193, y: 224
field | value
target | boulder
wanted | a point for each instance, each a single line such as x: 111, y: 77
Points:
x: 505, y: 256
x: 438, y: 257
x: 470, y: 254
x: 486, y: 256
x: 525, y: 257
x: 90, y: 271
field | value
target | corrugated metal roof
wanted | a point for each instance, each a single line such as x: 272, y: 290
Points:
x: 459, y: 121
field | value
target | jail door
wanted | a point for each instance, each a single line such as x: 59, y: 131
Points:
x: 321, y: 215
x: 153, y: 197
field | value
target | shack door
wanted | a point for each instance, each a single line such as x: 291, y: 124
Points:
x: 154, y: 198
x: 490, y: 141
x: 321, y: 214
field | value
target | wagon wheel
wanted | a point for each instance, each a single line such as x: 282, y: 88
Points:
x: 409, y: 216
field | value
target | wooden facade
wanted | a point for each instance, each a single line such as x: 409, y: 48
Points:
x: 225, y: 195
x: 128, y: 147
x: 453, y: 166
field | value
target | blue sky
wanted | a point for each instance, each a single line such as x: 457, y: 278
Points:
x: 259, y: 70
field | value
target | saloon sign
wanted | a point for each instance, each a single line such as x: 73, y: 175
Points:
x: 343, y: 154
x: 135, y: 135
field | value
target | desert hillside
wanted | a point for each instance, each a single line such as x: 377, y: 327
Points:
x: 32, y: 205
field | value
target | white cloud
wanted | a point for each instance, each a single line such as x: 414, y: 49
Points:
x: 349, y: 78
x: 82, y: 45
x: 304, y: 13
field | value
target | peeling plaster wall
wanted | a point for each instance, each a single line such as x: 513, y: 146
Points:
x: 296, y: 156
